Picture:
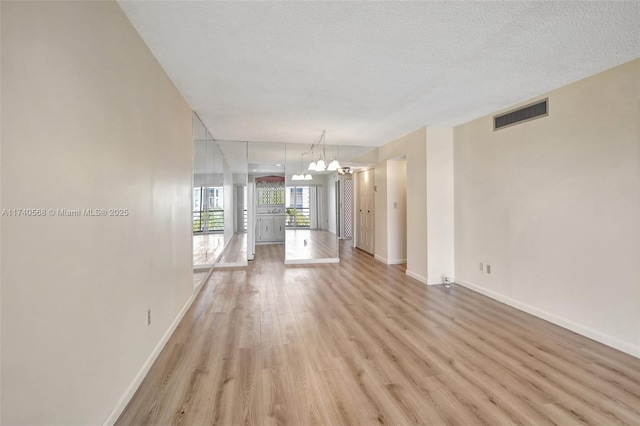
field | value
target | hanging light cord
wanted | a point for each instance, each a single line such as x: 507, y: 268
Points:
x: 316, y: 144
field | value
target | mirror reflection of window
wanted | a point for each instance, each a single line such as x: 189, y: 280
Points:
x: 197, y: 199
x: 215, y: 198
x: 298, y: 206
x: 243, y: 222
x: 208, y: 217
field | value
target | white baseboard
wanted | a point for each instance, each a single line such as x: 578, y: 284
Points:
x: 203, y: 267
x: 311, y: 261
x: 133, y: 387
x: 562, y: 322
x: 231, y: 265
x: 389, y: 262
x: 418, y: 277
x: 380, y: 258
x: 439, y: 281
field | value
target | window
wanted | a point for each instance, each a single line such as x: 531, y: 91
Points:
x: 208, y: 209
x: 298, y: 212
x: 270, y: 195
x: 215, y: 198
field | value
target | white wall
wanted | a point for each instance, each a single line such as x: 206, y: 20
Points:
x: 240, y: 179
x: 440, y: 224
x: 414, y: 147
x: 330, y: 202
x: 380, y: 203
x: 553, y: 205
x: 396, y: 211
x: 89, y: 120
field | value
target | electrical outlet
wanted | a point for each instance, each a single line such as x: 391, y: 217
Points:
x: 488, y: 269
x: 149, y: 317
x: 482, y: 266
x: 447, y: 281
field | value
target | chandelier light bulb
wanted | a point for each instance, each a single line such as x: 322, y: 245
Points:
x: 333, y: 166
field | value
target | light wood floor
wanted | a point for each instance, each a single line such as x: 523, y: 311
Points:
x: 361, y: 343
x: 207, y: 248
x: 236, y: 251
x: 310, y: 244
x: 198, y: 277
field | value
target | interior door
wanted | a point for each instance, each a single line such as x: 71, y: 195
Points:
x: 370, y: 214
x: 365, y: 230
x: 359, y: 216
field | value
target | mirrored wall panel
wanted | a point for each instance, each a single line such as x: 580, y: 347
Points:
x: 233, y: 204
x: 207, y: 199
x: 295, y: 200
x: 310, y: 204
x: 266, y: 197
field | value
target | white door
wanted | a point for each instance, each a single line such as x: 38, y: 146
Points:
x: 251, y: 221
x: 365, y: 231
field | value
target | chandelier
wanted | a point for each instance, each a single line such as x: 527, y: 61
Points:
x: 300, y: 175
x: 330, y: 163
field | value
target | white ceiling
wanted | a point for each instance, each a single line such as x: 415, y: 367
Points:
x: 369, y: 72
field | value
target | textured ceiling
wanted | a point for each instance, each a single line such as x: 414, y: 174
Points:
x: 369, y: 72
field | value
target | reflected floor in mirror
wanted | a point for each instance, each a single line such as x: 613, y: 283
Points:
x: 198, y: 277
x: 310, y: 244
x: 236, y: 251
x: 206, y: 248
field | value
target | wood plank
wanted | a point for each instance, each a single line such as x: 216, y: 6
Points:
x: 359, y: 342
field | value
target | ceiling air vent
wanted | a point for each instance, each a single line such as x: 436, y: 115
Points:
x: 522, y: 114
